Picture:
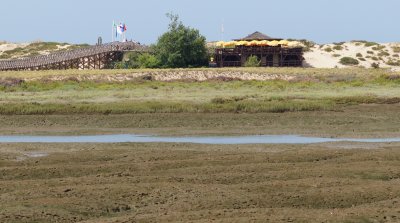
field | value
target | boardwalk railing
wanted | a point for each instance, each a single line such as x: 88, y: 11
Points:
x: 93, y: 57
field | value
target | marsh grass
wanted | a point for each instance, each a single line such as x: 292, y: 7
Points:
x: 216, y: 105
x: 308, y: 90
x: 274, y: 106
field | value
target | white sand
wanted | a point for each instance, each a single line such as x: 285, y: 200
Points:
x: 11, y: 46
x: 319, y: 58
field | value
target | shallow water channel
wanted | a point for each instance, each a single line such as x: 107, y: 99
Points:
x: 259, y: 139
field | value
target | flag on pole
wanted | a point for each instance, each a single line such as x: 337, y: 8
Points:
x: 120, y: 29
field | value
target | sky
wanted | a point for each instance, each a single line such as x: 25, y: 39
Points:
x: 83, y: 21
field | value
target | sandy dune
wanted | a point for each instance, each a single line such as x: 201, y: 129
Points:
x: 329, y: 55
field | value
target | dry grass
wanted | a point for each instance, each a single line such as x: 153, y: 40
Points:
x: 360, y: 72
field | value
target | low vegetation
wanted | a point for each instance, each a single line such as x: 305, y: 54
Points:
x: 383, y: 54
x: 337, y: 47
x: 328, y: 49
x: 369, y: 44
x: 392, y: 62
x: 349, y: 61
x: 253, y: 61
x: 361, y: 59
x: 375, y: 58
x: 378, y: 47
x: 375, y: 65
x: 339, y: 44
x: 296, y: 90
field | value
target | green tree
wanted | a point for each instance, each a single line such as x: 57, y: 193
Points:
x: 148, y: 61
x: 181, y: 46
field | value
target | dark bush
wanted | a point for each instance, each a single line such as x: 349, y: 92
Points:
x: 338, y: 47
x: 375, y: 65
x: 349, y: 61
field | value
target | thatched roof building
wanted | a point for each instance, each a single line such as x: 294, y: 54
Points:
x: 271, y: 52
x: 257, y: 36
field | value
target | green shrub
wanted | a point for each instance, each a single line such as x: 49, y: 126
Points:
x: 368, y: 44
x: 148, y: 61
x: 383, y: 53
x: 252, y: 61
x: 396, y: 49
x: 393, y: 62
x: 375, y: 65
x: 361, y: 59
x: 375, y: 58
x: 336, y: 55
x: 359, y: 55
x: 339, y: 44
x: 328, y: 49
x: 378, y: 47
x: 119, y: 65
x: 338, y: 47
x: 396, y: 55
x: 370, y: 52
x: 349, y: 61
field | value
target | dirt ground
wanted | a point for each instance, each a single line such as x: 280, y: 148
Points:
x: 375, y: 120
x: 339, y: 182
x: 161, y: 182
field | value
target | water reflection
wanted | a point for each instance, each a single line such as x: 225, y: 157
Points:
x: 259, y: 139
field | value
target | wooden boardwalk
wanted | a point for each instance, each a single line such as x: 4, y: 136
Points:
x: 93, y: 57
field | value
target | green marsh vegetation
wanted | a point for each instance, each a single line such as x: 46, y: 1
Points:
x: 297, y: 89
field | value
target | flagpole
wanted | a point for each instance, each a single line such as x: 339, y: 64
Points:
x: 222, y: 30
x: 112, y: 32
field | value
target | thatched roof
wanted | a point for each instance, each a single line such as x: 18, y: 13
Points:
x: 257, y: 36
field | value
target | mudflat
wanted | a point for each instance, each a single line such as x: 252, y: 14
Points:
x: 371, y: 120
x: 159, y: 182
